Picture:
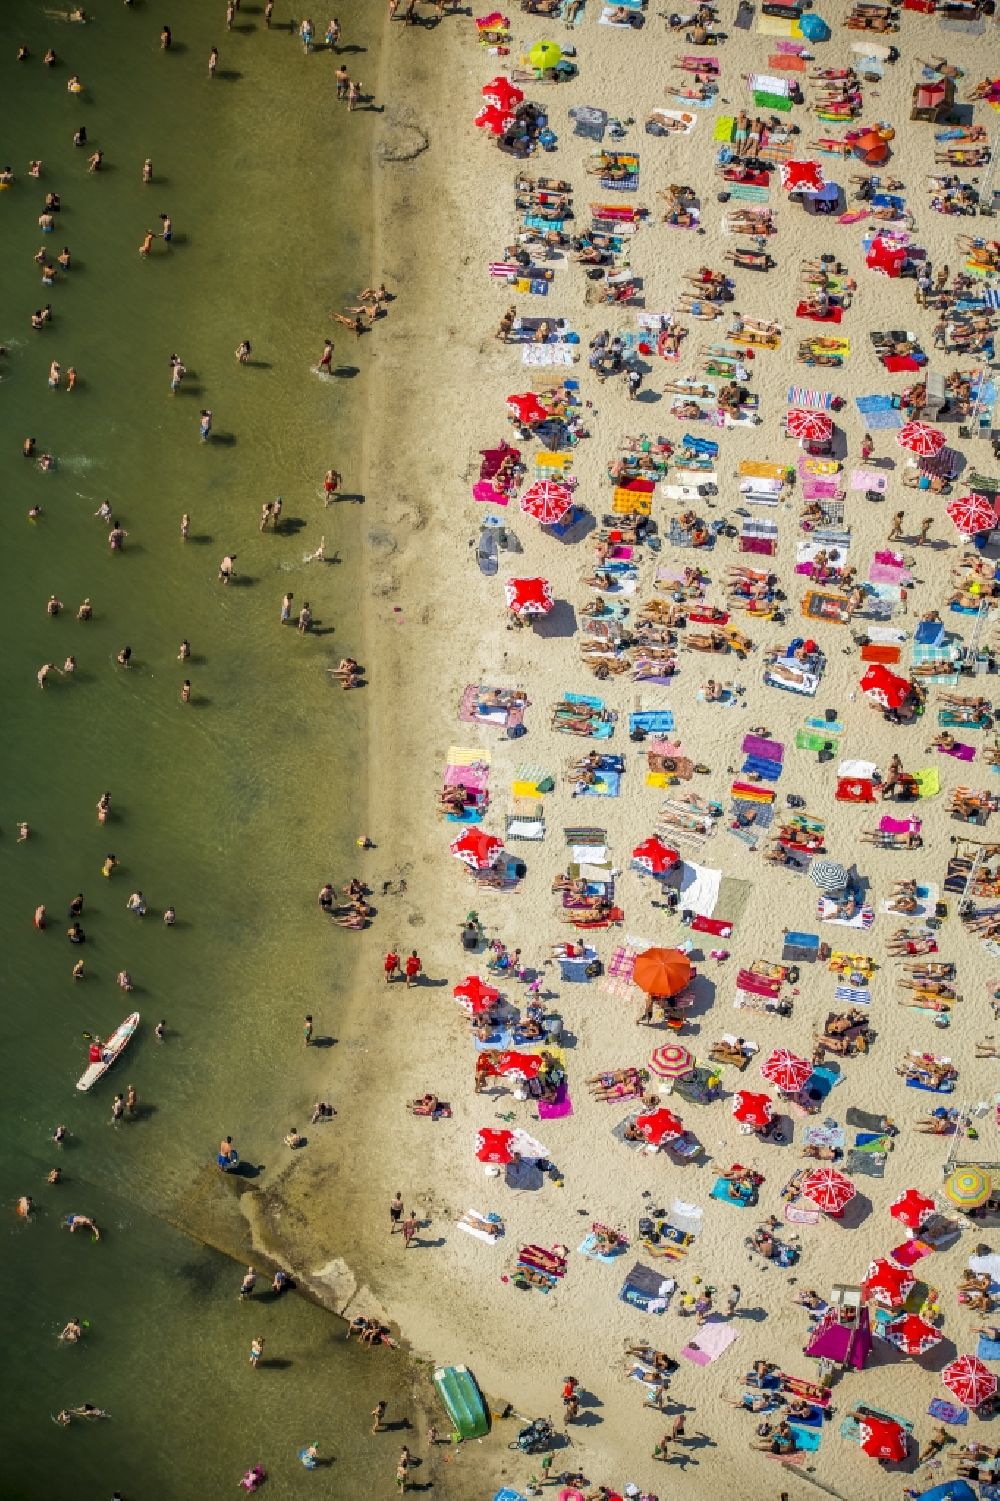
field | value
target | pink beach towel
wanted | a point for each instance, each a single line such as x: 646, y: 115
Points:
x: 475, y: 777
x: 488, y: 494
x: 889, y: 825
x: 558, y: 1108
x: 712, y: 1340
x: 959, y: 751
x: 910, y: 1252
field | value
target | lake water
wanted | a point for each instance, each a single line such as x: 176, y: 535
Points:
x: 233, y: 808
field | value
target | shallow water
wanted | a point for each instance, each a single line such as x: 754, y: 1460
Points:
x: 233, y: 808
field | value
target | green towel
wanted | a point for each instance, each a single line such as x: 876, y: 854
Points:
x: 928, y: 780
x: 812, y: 741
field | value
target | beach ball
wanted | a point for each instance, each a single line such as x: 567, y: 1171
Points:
x: 544, y: 55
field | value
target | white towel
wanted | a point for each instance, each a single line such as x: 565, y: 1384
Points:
x: 854, y: 768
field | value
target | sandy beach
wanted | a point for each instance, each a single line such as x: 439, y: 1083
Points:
x: 436, y: 624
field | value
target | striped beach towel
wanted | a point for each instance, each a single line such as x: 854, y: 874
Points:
x: 809, y: 400
x: 854, y: 995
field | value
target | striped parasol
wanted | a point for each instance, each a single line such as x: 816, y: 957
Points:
x: 672, y: 1061
x: 828, y: 875
x: 967, y: 1187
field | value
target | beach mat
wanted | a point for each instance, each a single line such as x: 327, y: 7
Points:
x: 557, y: 1109
x: 948, y: 1412
x: 806, y: 1438
x: 712, y: 1340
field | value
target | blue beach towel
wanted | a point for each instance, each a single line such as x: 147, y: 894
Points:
x: 948, y: 1412
x: 806, y: 1438
x: 720, y: 1191
x: 653, y: 721
x: 608, y: 784
x: 988, y: 1349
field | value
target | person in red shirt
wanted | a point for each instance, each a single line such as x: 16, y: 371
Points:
x: 391, y: 965
x: 413, y: 968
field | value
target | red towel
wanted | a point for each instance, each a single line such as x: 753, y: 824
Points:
x: 897, y: 362
x: 703, y: 618
x: 855, y: 790
x: 712, y: 925
x: 832, y: 315
x: 884, y: 654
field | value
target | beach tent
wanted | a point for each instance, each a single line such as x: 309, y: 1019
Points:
x: 477, y: 849
x: 920, y: 438
x: 846, y: 1340
x: 968, y: 1379
x: 529, y: 596
x: 672, y: 1061
x: 887, y: 1283
x: 655, y: 856
x: 547, y: 502
x: 475, y: 995
x: 912, y: 1334
x: 882, y: 1438
x: 786, y: 1071
x: 662, y: 972
x: 911, y: 1208
x: 659, y: 1126
x: 829, y: 1190
x: 972, y: 513
x: 753, y: 1110
x: 885, y: 688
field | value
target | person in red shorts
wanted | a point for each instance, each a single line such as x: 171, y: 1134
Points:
x: 391, y: 965
x: 413, y: 968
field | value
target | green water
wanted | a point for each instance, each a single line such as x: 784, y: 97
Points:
x: 232, y: 808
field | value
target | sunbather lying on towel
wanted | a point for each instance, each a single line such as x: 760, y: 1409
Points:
x: 618, y: 1084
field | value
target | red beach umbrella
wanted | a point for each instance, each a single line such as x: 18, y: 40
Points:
x: 887, y: 1283
x: 912, y: 1334
x: 662, y: 972
x: 921, y: 439
x: 475, y: 995
x: 786, y: 1070
x: 547, y: 501
x: 659, y: 1126
x: 529, y: 596
x: 829, y: 1190
x: 501, y: 92
x: 672, y: 1061
x: 887, y: 256
x: 492, y: 119
x: 806, y: 177
x: 814, y: 427
x: 885, y: 688
x: 477, y: 849
x: 969, y: 1380
x: 753, y: 1110
x: 882, y: 1438
x: 526, y: 407
x: 495, y: 1146
x: 515, y: 1065
x: 655, y: 856
x: 972, y: 513
x: 911, y: 1208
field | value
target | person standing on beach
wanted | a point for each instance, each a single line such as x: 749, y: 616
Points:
x: 326, y: 358
x: 307, y: 1031
x: 343, y: 80
x: 268, y: 13
x: 409, y: 1229
x: 412, y: 967
x: 213, y: 62
x: 733, y: 1299
x: 378, y: 1413
x: 390, y: 965
x: 896, y: 529
x: 331, y: 484
x: 353, y: 94
x: 395, y: 1213
x: 286, y: 608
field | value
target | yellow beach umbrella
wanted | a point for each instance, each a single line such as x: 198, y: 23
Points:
x: 544, y: 55
x: 967, y: 1187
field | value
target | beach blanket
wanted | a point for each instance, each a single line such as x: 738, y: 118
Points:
x: 948, y: 1412
x: 712, y: 1340
x: 807, y: 1438
x: 557, y: 1109
x: 720, y: 1190
x: 647, y: 1290
x: 988, y: 1349
x: 486, y: 1227
x: 826, y: 911
x: 588, y: 1247
x: 849, y: 1427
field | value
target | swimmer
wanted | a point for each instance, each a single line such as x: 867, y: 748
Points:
x: 34, y: 169
x: 94, y: 162
x: 80, y: 136
x: 54, y: 605
x: 331, y: 484
x: 177, y: 372
x: 170, y: 917
x: 55, y: 374
x: 184, y: 652
x: 103, y: 809
x: 54, y: 1175
x: 227, y: 568
x: 23, y: 832
x: 71, y: 378
x: 147, y: 170
x: 74, y: 1222
x: 69, y: 667
x: 243, y: 351
x: 110, y: 861
x: 104, y: 510
x: 293, y: 1139
x: 34, y: 512
x: 71, y: 1332
x: 78, y: 971
x: 186, y: 691
x: 24, y: 1206
x: 124, y: 657
x: 204, y: 424
x: 137, y: 904
x: 213, y: 62
x: 43, y: 673
x: 74, y: 86
x: 160, y: 1031
x: 165, y: 39
x: 60, y: 1134
x: 185, y: 527
x: 86, y: 611
x: 124, y: 980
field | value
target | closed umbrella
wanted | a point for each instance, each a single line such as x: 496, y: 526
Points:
x: 786, y: 1071
x: 887, y: 1283
x: 921, y: 439
x: 672, y: 1061
x: 882, y: 1438
x: 475, y: 995
x: 911, y: 1208
x: 655, y: 856
x: 477, y: 849
x: 547, y: 502
x: 529, y: 596
x: 814, y: 427
x: 752, y: 1109
x: 659, y: 1126
x: 828, y: 875
x: 967, y: 1187
x: 912, y: 1334
x: 663, y: 972
x: 972, y: 513
x: 969, y: 1380
x: 829, y: 1190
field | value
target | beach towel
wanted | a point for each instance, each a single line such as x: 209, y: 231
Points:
x: 557, y: 1109
x: 849, y: 1427
x: 712, y: 1340
x: 928, y: 779
x: 807, y: 1438
x: 826, y: 911
x: 800, y: 946
x: 720, y: 1191
x: 478, y: 1225
x: 948, y: 1412
x: 988, y: 1349
x: 588, y: 1248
